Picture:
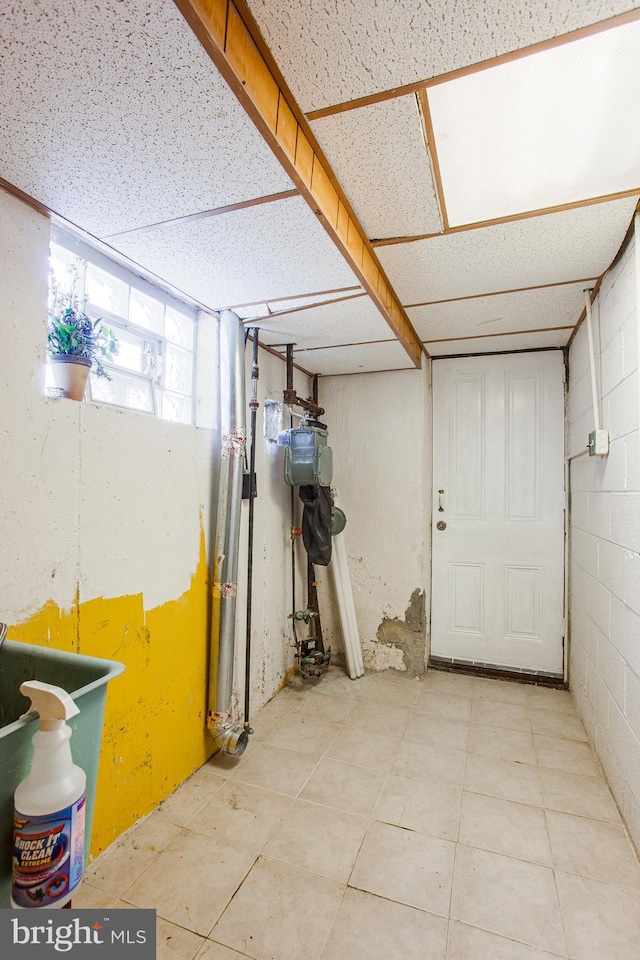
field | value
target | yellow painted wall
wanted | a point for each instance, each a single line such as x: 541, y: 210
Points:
x: 154, y: 729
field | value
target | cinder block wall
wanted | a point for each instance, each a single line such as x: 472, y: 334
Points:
x: 605, y: 540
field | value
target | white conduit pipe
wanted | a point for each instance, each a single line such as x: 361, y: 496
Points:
x: 229, y: 737
x: 348, y: 620
x: 636, y: 236
x: 592, y: 362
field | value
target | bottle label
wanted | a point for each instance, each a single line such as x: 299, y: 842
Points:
x: 48, y: 853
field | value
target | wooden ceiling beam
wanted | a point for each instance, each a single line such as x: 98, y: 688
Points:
x: 231, y: 38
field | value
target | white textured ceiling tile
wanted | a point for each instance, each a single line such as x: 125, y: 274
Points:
x: 379, y: 156
x: 250, y: 255
x: 368, y: 358
x: 570, y: 245
x: 334, y: 52
x: 525, y: 341
x: 114, y: 116
x: 350, y: 321
x: 510, y: 312
x: 297, y: 302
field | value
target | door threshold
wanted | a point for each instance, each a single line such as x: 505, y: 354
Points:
x: 555, y: 681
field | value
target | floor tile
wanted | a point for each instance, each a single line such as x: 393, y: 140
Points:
x: 176, y: 943
x: 506, y: 779
x: 241, y: 815
x: 363, y: 749
x: 568, y: 755
x: 192, y: 881
x: 322, y: 706
x: 514, y: 829
x: 270, y: 717
x: 470, y: 943
x: 276, y: 768
x: 509, y: 897
x: 130, y: 856
x: 443, y: 705
x: 497, y: 714
x: 552, y: 724
x: 319, y: 840
x: 280, y: 913
x: 87, y: 897
x: 602, y: 920
x: 502, y: 691
x: 428, y: 761
x: 577, y: 794
x: 593, y: 849
x: 502, y: 743
x: 378, y: 720
x: 345, y: 786
x: 448, y: 733
x: 392, y: 694
x: 405, y: 866
x: 190, y: 797
x: 215, y: 951
x: 337, y: 683
x: 432, y: 808
x: 372, y: 928
x: 439, y: 681
x: 560, y: 701
x: 308, y: 735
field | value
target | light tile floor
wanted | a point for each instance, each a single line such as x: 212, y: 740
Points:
x: 389, y: 819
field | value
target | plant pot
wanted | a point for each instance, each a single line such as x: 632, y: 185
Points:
x: 70, y: 374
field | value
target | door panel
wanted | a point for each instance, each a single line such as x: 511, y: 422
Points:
x: 498, y: 563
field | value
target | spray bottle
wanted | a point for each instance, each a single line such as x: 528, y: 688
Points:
x: 48, y: 825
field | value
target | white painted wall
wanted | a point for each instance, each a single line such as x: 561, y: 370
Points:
x: 111, y: 500
x: 380, y: 433
x: 605, y: 540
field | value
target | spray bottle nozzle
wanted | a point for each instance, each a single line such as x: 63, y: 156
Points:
x: 52, y: 703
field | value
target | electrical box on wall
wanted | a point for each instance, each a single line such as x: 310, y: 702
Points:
x: 598, y: 443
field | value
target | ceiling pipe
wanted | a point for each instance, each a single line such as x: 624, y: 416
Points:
x: 229, y: 737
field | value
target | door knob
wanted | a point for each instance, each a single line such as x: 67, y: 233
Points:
x: 441, y: 525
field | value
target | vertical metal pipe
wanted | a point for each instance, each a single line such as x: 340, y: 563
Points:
x: 592, y: 362
x: 229, y: 737
x: 253, y: 406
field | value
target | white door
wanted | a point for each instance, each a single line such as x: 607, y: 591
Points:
x: 498, y: 512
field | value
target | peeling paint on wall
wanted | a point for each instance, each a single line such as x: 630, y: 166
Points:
x: 407, y: 637
x: 154, y: 733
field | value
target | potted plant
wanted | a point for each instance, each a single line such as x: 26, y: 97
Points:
x: 75, y: 342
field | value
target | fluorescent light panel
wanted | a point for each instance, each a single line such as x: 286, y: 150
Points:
x: 555, y: 127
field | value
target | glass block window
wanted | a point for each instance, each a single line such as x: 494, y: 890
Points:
x: 153, y: 371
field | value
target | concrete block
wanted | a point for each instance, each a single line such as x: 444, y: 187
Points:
x: 593, y: 597
x: 625, y: 633
x: 623, y: 408
x: 584, y: 550
x: 612, y: 470
x: 580, y: 510
x: 578, y: 357
x: 600, y: 515
x: 625, y: 520
x: 631, y: 706
x: 612, y: 364
x: 611, y: 567
x: 598, y: 695
x: 611, y: 668
x: 632, y: 448
x: 631, y: 593
x: 630, y: 343
x: 626, y: 747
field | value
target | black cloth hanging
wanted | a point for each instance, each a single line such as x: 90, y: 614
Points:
x: 316, y: 523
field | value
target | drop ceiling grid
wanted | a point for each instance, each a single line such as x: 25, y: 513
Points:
x: 554, y: 248
x: 379, y: 155
x: 332, y: 53
x: 367, y: 358
x: 509, y: 312
x: 525, y: 341
x: 296, y: 302
x: 352, y: 321
x: 114, y: 116
x: 249, y: 255
x: 556, y: 127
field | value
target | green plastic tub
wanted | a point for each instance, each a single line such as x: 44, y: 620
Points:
x: 85, y: 678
